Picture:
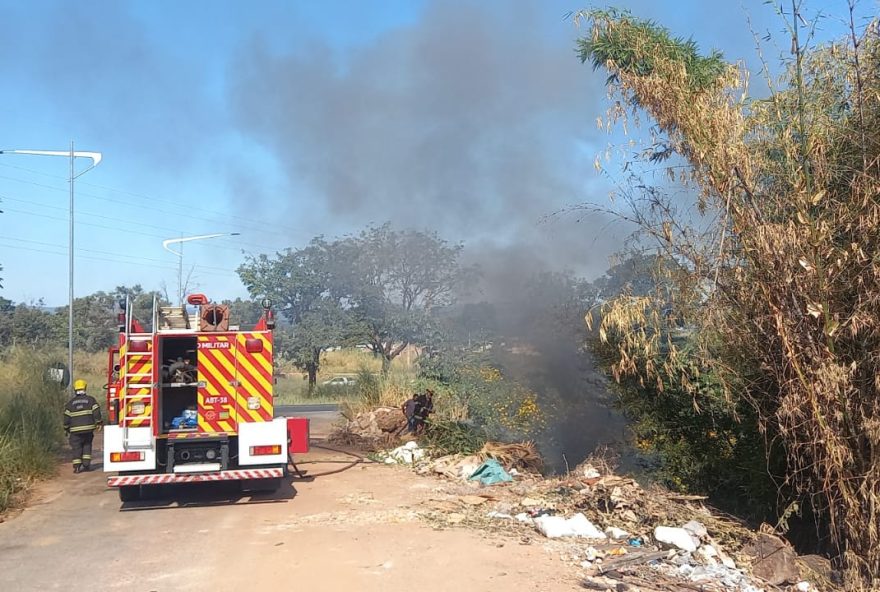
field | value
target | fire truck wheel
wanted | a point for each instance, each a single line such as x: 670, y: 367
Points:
x: 129, y: 493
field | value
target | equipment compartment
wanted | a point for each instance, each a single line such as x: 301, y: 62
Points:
x: 178, y: 383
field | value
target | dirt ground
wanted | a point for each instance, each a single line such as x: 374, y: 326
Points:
x: 359, y: 528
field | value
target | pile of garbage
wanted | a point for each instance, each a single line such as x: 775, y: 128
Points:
x: 622, y: 536
x: 407, y: 454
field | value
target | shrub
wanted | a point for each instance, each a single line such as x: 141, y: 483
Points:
x: 454, y: 437
x: 30, y: 421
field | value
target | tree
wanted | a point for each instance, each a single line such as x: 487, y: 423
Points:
x: 304, y: 285
x: 395, y: 280
x: 244, y: 313
x: 781, y: 291
x: 30, y: 325
x: 380, y: 286
x: 95, y: 316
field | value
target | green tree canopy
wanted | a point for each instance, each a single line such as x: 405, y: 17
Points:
x: 305, y: 286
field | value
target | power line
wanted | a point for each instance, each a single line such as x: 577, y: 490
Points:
x: 174, y: 231
x: 259, y: 224
x: 114, y: 254
x: 225, y: 272
x: 114, y: 219
x: 103, y: 226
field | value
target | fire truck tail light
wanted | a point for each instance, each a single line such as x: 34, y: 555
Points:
x: 126, y: 456
x: 263, y: 450
x: 253, y: 346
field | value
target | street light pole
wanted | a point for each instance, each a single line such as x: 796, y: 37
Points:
x: 179, y: 254
x: 72, y: 155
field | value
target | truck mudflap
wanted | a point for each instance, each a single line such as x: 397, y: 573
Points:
x: 162, y: 479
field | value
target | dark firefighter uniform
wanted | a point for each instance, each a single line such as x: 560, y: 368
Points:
x: 82, y: 417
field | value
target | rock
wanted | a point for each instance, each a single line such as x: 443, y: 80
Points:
x: 816, y: 565
x: 774, y: 561
x: 377, y: 423
x: 617, y: 534
x: 707, y: 554
x: 696, y: 528
x: 676, y: 537
x: 389, y: 419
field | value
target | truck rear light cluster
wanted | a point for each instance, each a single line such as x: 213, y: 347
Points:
x: 126, y: 456
x: 264, y: 450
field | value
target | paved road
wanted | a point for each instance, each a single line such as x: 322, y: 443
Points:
x: 295, y: 410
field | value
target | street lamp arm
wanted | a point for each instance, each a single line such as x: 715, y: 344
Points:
x: 72, y: 155
x: 170, y: 241
x: 94, y: 156
x: 179, y: 254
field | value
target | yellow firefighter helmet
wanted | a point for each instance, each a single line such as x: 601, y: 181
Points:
x: 79, y: 385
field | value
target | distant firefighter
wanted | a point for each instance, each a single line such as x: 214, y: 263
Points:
x: 82, y: 417
x: 424, y: 408
x: 409, y: 410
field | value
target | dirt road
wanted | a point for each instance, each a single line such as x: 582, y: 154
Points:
x: 358, y: 529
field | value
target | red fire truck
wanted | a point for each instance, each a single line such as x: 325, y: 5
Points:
x: 191, y: 399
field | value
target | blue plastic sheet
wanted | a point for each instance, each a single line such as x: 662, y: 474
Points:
x: 490, y: 473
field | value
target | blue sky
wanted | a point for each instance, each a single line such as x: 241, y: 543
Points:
x: 285, y: 120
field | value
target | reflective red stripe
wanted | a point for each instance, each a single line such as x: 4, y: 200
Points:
x: 236, y: 475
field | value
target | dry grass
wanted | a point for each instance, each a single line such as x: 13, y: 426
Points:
x: 523, y: 456
x: 779, y: 284
x: 30, y: 421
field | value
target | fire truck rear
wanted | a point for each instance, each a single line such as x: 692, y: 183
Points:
x: 191, y: 400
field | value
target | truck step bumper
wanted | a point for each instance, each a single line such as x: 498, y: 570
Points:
x: 236, y: 475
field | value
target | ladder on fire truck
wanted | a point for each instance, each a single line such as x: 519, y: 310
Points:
x: 137, y: 387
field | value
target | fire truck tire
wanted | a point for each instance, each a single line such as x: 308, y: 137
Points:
x: 129, y: 493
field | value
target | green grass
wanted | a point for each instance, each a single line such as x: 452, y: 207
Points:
x: 30, y: 421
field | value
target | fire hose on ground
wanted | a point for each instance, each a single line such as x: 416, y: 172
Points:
x: 349, y: 464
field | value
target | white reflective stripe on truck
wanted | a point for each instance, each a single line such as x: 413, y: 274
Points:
x: 161, y: 479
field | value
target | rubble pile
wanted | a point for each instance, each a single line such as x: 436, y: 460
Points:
x: 371, y: 429
x: 621, y: 535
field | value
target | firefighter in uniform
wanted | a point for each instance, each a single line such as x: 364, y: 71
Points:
x: 82, y: 417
